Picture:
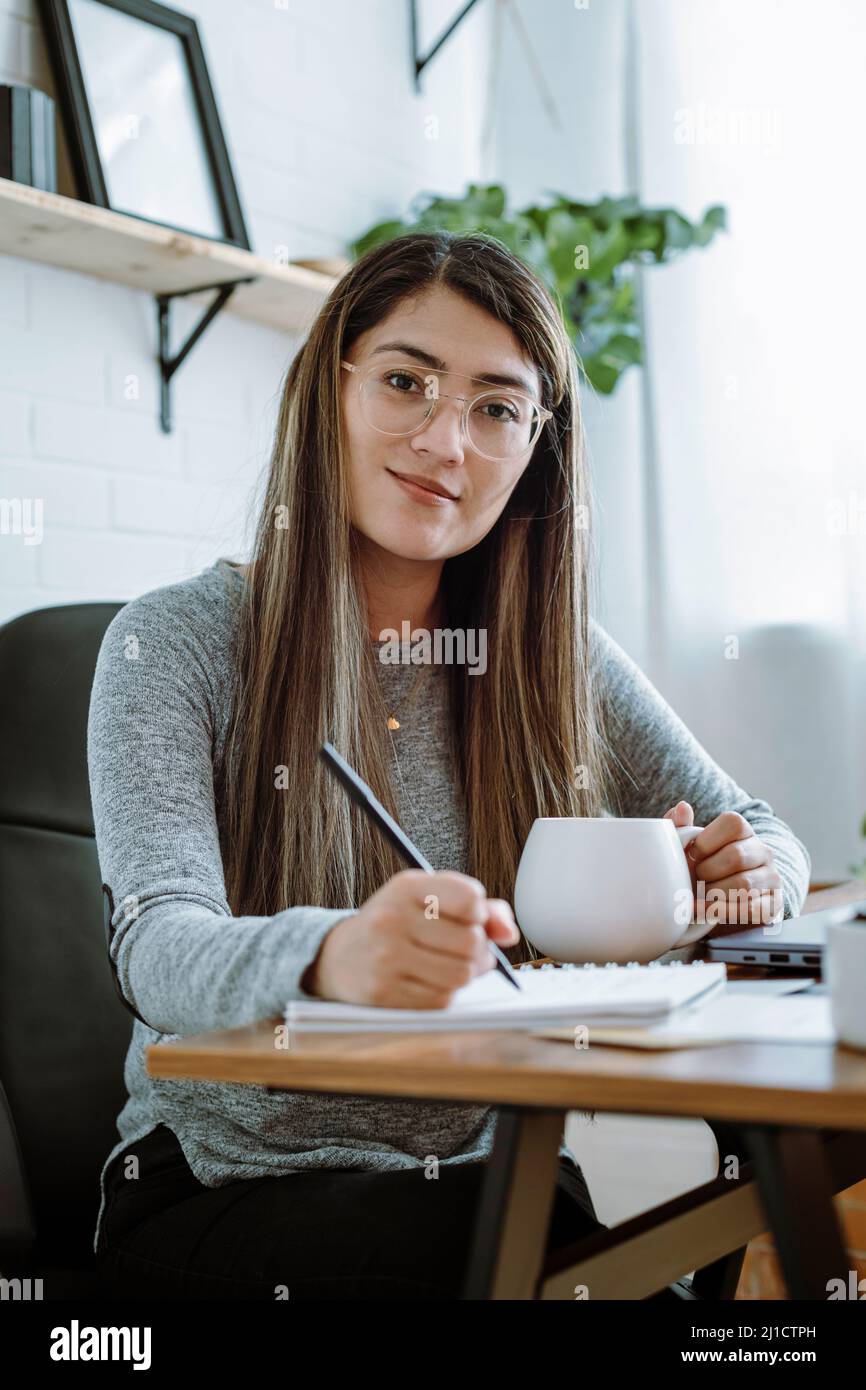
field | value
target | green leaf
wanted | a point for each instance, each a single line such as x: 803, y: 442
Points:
x: 715, y: 219
x: 646, y: 235
x: 610, y: 210
x: 489, y: 199
x: 604, y: 212
x: 623, y: 351
x: 610, y: 248
x: 600, y: 375
x: 566, y: 237
x: 377, y: 236
x: 539, y: 216
x: 677, y: 231
x: 447, y: 215
x: 622, y: 304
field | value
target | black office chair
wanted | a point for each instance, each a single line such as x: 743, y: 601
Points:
x: 63, y: 1034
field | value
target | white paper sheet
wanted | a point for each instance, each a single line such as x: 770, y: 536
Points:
x: 728, y: 1017
x: 566, y: 997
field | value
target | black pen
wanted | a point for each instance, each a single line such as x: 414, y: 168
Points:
x: 363, y: 797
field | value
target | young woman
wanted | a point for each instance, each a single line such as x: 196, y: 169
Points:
x: 428, y: 469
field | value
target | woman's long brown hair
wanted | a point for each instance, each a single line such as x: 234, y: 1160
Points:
x: 528, y: 733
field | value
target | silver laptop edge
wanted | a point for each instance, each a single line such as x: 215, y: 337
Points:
x: 795, y: 941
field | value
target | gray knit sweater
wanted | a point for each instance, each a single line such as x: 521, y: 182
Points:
x: 156, y: 735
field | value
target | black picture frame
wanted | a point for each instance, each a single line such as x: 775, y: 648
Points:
x: 79, y: 126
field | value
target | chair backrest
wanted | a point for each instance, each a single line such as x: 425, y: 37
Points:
x: 63, y: 1034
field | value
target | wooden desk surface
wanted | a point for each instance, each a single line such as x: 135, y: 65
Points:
x: 815, y: 1085
x: 807, y: 1084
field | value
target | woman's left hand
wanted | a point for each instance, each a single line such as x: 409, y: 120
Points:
x: 734, y: 878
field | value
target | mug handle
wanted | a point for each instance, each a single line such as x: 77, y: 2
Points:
x: 695, y: 930
x: 687, y: 833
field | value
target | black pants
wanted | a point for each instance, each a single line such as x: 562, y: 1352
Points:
x: 328, y: 1234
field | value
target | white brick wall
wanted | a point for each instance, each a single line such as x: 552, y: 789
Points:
x: 327, y: 136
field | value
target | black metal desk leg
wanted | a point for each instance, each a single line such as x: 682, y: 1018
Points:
x: 797, y: 1196
x: 517, y: 1197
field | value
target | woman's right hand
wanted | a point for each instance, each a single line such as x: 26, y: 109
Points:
x: 395, y: 954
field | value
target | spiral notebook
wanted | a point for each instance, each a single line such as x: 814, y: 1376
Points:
x: 607, y: 995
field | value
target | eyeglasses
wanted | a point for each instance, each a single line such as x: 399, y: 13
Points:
x: 500, y: 424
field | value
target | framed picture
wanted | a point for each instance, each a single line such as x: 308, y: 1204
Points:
x: 141, y: 119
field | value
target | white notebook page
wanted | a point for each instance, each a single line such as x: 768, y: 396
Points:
x: 559, y: 997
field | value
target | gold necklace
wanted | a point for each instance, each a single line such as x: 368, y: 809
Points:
x: 393, y: 721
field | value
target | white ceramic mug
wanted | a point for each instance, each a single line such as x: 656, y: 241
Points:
x: 606, y: 888
x: 845, y: 975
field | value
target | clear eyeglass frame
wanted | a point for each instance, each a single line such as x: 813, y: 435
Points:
x: 365, y: 372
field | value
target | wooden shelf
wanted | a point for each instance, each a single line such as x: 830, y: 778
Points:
x: 126, y: 250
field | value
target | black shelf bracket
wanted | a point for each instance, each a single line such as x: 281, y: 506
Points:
x: 168, y: 365
x: 419, y: 63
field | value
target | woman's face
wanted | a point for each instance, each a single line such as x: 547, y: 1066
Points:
x: 438, y: 330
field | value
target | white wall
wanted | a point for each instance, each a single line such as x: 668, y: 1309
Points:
x: 574, y: 142
x: 327, y: 136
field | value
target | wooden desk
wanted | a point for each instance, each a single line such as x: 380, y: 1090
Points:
x: 802, y: 1108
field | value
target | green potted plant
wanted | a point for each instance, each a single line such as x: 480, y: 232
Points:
x: 586, y: 253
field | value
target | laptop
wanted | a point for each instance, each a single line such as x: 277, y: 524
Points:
x: 795, y: 941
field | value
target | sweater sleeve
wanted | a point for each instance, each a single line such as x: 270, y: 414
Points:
x: 183, y: 961
x: 656, y: 761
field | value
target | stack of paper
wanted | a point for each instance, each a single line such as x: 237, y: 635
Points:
x: 726, y: 1018
x: 610, y: 995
